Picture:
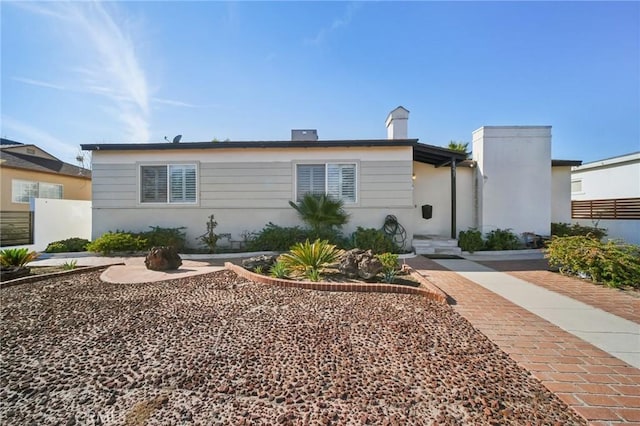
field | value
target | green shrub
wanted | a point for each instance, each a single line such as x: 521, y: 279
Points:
x: 373, y: 239
x: 612, y: 263
x: 17, y: 257
x: 279, y: 270
x: 502, y: 239
x: 470, y: 240
x: 569, y: 230
x: 69, y: 245
x: 308, y: 259
x: 276, y: 238
x: 71, y: 264
x: 118, y: 242
x: 390, y: 266
x: 158, y: 236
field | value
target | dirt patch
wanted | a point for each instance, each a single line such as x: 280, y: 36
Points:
x: 142, y: 411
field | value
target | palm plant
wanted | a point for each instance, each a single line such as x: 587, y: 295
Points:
x: 321, y: 212
x: 308, y: 259
x: 17, y: 257
x: 458, y: 146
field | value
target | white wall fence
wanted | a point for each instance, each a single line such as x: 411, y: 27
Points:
x: 56, y: 220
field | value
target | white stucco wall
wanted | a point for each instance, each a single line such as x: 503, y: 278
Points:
x: 433, y: 186
x: 56, y: 220
x: 617, y: 177
x: 561, y: 194
x: 514, y: 163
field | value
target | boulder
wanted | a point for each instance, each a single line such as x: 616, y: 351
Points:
x: 263, y: 261
x: 162, y: 259
x: 360, y: 263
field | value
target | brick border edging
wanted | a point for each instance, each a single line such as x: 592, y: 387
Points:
x: 429, y: 291
x: 42, y: 277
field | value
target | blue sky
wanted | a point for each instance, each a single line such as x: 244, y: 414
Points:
x: 90, y: 72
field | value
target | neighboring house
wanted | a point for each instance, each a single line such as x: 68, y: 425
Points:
x: 28, y: 172
x: 510, y: 183
x: 606, y: 193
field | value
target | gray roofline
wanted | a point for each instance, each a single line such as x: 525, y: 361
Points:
x: 247, y: 144
x: 565, y: 163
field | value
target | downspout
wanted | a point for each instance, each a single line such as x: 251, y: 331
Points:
x: 453, y: 198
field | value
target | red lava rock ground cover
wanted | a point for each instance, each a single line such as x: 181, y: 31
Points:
x: 217, y: 349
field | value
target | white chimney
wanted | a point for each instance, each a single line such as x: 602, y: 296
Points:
x: 397, y: 124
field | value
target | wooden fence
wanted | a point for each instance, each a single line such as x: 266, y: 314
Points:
x: 619, y: 208
x: 16, y: 228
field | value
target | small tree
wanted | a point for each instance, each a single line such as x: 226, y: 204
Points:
x: 210, y: 238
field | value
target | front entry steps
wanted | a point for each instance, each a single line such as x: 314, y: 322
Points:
x: 435, y: 244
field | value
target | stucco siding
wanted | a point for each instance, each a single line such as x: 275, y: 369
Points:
x: 73, y: 188
x: 561, y: 194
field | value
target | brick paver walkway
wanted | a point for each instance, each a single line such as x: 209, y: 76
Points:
x: 601, y: 388
x: 624, y: 304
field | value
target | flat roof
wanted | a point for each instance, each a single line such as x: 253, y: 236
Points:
x: 421, y: 152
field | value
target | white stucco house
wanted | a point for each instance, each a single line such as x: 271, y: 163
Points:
x: 606, y: 193
x: 511, y: 182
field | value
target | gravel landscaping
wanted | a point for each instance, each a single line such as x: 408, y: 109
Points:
x: 217, y: 349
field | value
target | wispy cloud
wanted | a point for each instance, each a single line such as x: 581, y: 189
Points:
x: 108, y: 64
x: 39, y: 83
x: 339, y: 22
x: 175, y: 103
x: 22, y: 132
x: 106, y: 91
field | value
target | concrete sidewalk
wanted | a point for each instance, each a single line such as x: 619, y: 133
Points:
x: 616, y: 336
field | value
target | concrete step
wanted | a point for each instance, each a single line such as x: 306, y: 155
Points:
x: 456, y: 251
x: 433, y: 244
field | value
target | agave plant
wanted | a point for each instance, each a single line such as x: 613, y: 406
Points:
x: 17, y: 257
x: 321, y: 212
x: 308, y: 259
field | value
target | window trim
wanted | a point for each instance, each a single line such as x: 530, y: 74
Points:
x: 325, y: 163
x: 168, y: 203
x: 37, y: 183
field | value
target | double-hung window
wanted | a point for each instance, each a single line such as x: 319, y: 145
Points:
x: 338, y: 180
x: 23, y: 190
x: 171, y: 184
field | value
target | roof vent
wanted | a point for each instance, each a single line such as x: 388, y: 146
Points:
x: 304, y: 135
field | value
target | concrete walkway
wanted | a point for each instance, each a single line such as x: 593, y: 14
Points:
x: 614, y: 335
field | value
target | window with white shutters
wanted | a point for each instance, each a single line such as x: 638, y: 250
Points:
x: 173, y: 184
x: 337, y: 180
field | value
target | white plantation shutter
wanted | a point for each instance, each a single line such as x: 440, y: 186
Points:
x: 335, y: 180
x: 182, y: 186
x: 153, y: 184
x: 341, y: 182
x: 310, y: 178
x: 172, y: 183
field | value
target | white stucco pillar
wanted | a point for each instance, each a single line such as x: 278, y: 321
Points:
x: 514, y: 178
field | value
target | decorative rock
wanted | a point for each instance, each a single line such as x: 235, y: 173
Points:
x: 263, y: 261
x: 359, y: 263
x: 162, y: 259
